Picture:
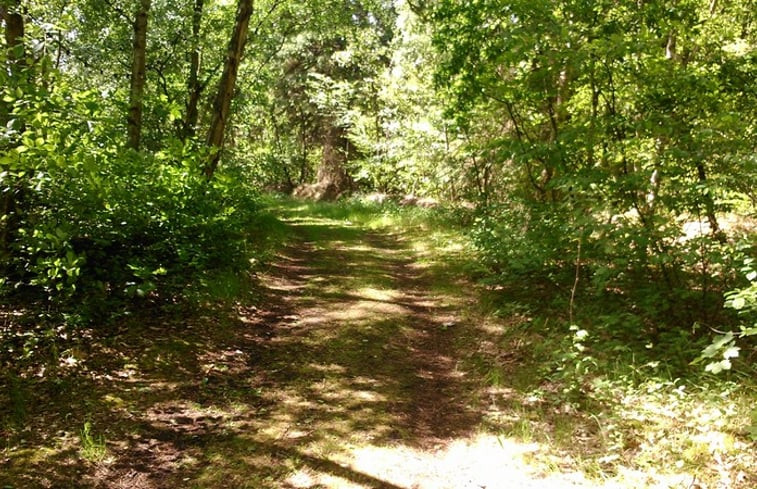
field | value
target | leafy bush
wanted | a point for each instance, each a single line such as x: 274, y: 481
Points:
x: 523, y: 239
x: 96, y: 226
x: 652, y: 283
x: 725, y: 347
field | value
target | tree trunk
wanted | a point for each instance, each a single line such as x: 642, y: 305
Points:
x: 14, y: 32
x: 14, y: 43
x: 226, y: 86
x: 332, y: 173
x: 194, y: 88
x: 303, y: 139
x: 709, y: 205
x: 137, y: 91
x: 9, y: 195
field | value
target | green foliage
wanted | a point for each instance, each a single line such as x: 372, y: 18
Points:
x: 522, y: 238
x: 132, y: 227
x: 576, y: 364
x: 94, y: 227
x: 725, y: 347
x: 617, y: 129
x: 401, y: 132
x: 603, y: 148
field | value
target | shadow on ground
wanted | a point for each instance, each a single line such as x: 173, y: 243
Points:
x: 349, y: 347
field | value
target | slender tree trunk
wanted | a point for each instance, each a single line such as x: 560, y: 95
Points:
x: 226, y: 86
x: 14, y: 44
x: 137, y: 92
x: 194, y: 87
x: 14, y: 41
x: 709, y: 205
x: 304, y: 152
x: 671, y: 48
x: 280, y: 151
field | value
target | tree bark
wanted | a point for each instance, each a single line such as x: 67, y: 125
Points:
x: 137, y: 91
x: 226, y: 85
x: 14, y: 32
x: 14, y: 44
x: 194, y: 87
x: 14, y: 41
x: 332, y: 173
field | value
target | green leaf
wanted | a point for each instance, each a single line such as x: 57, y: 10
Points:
x: 717, y: 345
x: 749, y: 331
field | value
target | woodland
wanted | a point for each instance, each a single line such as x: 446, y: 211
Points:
x: 378, y: 243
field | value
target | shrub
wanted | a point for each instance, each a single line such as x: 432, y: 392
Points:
x: 95, y: 227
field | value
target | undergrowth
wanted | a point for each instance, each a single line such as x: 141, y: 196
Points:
x: 93, y: 446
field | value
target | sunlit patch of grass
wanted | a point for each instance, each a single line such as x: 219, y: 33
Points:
x: 93, y: 446
x: 224, y: 285
x: 700, y: 429
x: 380, y: 295
x: 635, y: 435
x: 699, y: 435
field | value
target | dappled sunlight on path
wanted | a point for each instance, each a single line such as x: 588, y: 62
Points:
x: 362, y: 372
x: 362, y: 365
x: 361, y: 304
x: 483, y: 461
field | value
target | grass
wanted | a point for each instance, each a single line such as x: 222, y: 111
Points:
x: 93, y: 448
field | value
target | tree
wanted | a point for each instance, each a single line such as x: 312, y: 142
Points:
x: 13, y: 19
x: 15, y: 55
x: 136, y: 93
x: 607, y: 125
x: 194, y: 86
x: 222, y: 102
x: 320, y: 78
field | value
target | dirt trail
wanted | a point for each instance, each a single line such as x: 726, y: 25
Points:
x: 364, y: 376
x: 360, y: 316
x: 349, y: 372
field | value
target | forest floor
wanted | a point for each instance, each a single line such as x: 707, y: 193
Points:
x: 362, y: 358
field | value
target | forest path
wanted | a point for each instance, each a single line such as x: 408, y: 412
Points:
x: 362, y: 357
x: 365, y: 363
